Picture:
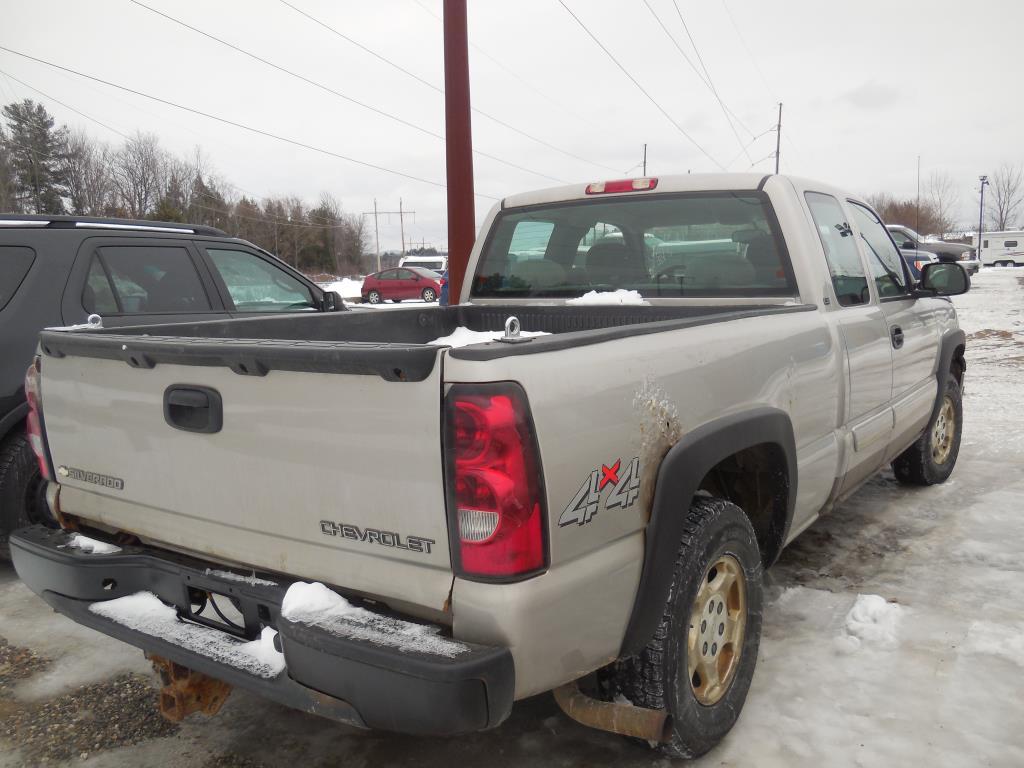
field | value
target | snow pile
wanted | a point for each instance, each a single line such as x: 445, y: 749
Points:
x: 91, y: 546
x: 463, y: 336
x: 871, y: 620
x: 621, y: 297
x: 346, y: 287
x: 144, y: 612
x: 317, y: 606
x: 251, y: 580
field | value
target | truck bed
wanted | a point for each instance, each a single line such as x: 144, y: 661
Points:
x: 394, y: 345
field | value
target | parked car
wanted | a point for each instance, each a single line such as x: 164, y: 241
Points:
x: 59, y: 270
x: 582, y: 467
x: 400, y: 284
x: 916, y: 260
x: 908, y: 239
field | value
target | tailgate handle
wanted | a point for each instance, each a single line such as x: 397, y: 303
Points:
x: 193, y: 409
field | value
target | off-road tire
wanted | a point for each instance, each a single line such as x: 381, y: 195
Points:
x: 429, y: 295
x: 19, y: 485
x: 917, y: 465
x: 658, y: 676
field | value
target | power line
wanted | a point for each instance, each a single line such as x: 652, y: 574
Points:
x: 235, y: 124
x: 337, y: 93
x: 438, y: 89
x: 708, y: 83
x: 749, y: 144
x: 66, y: 106
x: 639, y: 87
x: 750, y: 53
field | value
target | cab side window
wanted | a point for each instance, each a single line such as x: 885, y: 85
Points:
x: 844, y: 262
x: 886, y: 262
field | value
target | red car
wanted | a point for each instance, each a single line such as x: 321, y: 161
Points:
x: 401, y: 283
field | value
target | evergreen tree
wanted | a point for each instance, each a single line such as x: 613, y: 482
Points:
x: 35, y: 149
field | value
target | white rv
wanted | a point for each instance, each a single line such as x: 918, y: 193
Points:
x: 1001, y: 249
x: 438, y: 263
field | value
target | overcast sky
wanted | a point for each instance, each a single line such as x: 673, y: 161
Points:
x: 867, y: 88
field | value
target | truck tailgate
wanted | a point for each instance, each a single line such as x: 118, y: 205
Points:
x: 336, y: 477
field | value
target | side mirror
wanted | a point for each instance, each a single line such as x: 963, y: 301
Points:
x: 942, y: 278
x: 331, y: 302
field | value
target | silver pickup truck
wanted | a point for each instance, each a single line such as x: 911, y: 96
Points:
x: 571, y: 480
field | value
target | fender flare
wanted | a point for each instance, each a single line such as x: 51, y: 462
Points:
x: 947, y: 348
x: 680, y: 474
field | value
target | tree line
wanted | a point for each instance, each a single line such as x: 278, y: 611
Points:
x: 935, y: 211
x: 51, y: 169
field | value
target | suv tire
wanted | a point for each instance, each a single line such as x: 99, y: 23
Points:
x: 933, y: 455
x: 20, y: 488
x: 716, y: 592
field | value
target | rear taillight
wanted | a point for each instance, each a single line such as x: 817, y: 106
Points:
x: 495, y: 491
x: 35, y: 420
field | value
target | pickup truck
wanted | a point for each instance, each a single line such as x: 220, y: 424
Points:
x: 571, y: 480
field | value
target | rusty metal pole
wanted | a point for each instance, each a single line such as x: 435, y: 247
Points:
x: 459, y: 146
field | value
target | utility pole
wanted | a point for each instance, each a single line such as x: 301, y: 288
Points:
x: 401, y: 223
x: 645, y: 159
x: 458, y: 145
x: 400, y: 213
x: 981, y: 213
x: 778, y: 138
x: 917, y: 228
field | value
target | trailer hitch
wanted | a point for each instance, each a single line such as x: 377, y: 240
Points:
x: 186, y: 691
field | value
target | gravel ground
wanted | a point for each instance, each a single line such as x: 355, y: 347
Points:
x: 941, y: 687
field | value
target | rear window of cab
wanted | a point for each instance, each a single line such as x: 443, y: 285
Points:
x: 708, y: 244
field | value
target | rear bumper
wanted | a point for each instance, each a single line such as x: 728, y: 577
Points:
x: 350, y: 680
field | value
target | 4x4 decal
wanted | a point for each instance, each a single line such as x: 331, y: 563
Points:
x: 625, y: 490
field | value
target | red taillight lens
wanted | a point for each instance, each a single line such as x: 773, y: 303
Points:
x: 621, y: 185
x: 498, y: 504
x: 35, y: 423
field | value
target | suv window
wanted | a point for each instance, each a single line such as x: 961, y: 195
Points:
x: 844, y: 262
x: 884, y: 258
x: 143, y: 280
x: 15, y: 262
x: 256, y: 285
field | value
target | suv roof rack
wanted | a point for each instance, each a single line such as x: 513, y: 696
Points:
x: 94, y: 222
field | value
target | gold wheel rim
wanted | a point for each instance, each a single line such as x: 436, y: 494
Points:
x: 943, y: 431
x: 717, y: 625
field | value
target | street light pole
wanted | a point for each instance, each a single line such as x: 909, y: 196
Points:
x: 981, y: 213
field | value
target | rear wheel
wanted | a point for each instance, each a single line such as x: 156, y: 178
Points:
x: 429, y: 295
x: 21, y: 488
x: 931, y: 458
x: 700, y: 662
x: 374, y: 297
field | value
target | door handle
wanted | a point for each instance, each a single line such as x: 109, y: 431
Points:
x: 193, y: 408
x: 896, y: 334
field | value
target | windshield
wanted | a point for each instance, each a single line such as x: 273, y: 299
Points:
x: 424, y: 272
x: 669, y: 246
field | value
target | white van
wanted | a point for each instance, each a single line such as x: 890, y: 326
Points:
x: 437, y: 263
x: 1001, y: 249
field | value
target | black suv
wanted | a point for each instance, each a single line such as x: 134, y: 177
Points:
x: 59, y: 270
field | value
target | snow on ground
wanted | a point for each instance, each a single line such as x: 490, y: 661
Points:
x: 144, y: 612
x: 347, y: 287
x: 602, y: 298
x: 463, y: 336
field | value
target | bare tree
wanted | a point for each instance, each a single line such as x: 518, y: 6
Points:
x: 139, y: 174
x: 941, y: 197
x: 1005, y: 196
x: 84, y: 168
